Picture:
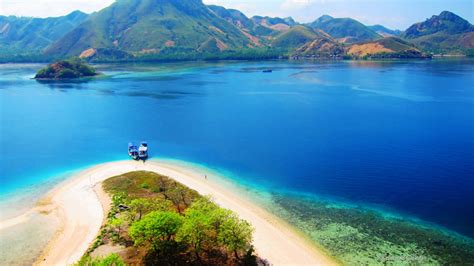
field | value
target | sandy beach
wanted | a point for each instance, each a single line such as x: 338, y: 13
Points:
x: 80, y: 204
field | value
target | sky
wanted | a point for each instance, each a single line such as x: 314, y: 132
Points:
x: 395, y: 14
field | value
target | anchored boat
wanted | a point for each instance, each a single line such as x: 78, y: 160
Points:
x: 143, y: 150
x: 133, y: 151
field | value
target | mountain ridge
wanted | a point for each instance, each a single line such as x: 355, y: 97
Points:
x: 18, y: 34
x: 346, y: 30
x: 166, y: 23
x: 442, y: 33
x: 154, y: 29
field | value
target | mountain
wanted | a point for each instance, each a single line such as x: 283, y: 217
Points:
x: 303, y: 41
x: 323, y: 46
x: 346, y: 30
x: 245, y: 24
x: 187, y: 30
x: 444, y: 33
x: 20, y: 34
x: 153, y: 26
x: 294, y: 37
x: 278, y: 24
x: 389, y: 47
x: 385, y: 32
x: 322, y: 19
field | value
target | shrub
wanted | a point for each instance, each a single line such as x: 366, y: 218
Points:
x: 110, y: 260
x: 155, y: 228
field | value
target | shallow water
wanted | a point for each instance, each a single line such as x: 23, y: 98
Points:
x: 22, y: 244
x: 392, y: 136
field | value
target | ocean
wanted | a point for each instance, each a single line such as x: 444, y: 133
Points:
x: 345, y: 151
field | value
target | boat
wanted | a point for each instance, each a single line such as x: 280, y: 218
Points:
x: 267, y: 71
x: 143, y: 150
x: 133, y: 151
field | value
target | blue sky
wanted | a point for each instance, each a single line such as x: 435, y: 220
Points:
x: 398, y: 14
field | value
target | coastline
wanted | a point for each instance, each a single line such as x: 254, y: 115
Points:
x: 80, y: 206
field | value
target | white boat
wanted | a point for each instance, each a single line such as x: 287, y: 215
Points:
x: 143, y: 150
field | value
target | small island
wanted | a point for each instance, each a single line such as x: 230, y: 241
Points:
x: 66, y: 69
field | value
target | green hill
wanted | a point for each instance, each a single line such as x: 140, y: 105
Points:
x: 294, y: 37
x: 275, y: 23
x: 384, y: 31
x: 150, y: 26
x: 346, y: 30
x: 256, y: 32
x: 25, y: 34
x: 445, y: 33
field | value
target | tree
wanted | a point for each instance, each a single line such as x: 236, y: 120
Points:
x: 116, y: 224
x: 139, y: 207
x: 156, y: 228
x: 234, y: 233
x: 142, y: 206
x: 178, y: 196
x: 198, y: 228
x: 119, y: 198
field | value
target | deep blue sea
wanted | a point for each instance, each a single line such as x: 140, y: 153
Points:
x: 396, y: 135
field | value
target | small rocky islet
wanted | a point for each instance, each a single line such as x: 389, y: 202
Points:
x: 66, y: 69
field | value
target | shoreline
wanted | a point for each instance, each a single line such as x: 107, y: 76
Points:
x: 81, y: 206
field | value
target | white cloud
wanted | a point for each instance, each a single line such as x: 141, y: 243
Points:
x: 296, y: 4
x: 50, y: 8
x: 301, y: 4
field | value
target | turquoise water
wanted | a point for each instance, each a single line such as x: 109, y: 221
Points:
x: 396, y: 137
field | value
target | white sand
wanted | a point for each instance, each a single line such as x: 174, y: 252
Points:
x: 80, y: 204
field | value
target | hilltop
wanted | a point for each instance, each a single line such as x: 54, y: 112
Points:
x: 345, y: 30
x: 278, y: 24
x: 444, y: 33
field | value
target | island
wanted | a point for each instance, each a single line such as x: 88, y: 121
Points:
x: 66, y: 69
x: 136, y: 213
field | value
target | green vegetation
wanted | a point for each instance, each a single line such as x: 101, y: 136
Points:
x: 31, y: 35
x: 67, y: 69
x: 170, y: 30
x: 445, y: 33
x: 359, y: 236
x: 111, y: 260
x: 172, y: 54
x: 294, y: 37
x: 346, y: 29
x: 156, y: 228
x: 148, y: 26
x: 159, y: 221
x: 252, y: 26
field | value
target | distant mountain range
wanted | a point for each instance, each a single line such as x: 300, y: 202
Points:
x: 19, y: 34
x: 385, y: 32
x: 176, y: 29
